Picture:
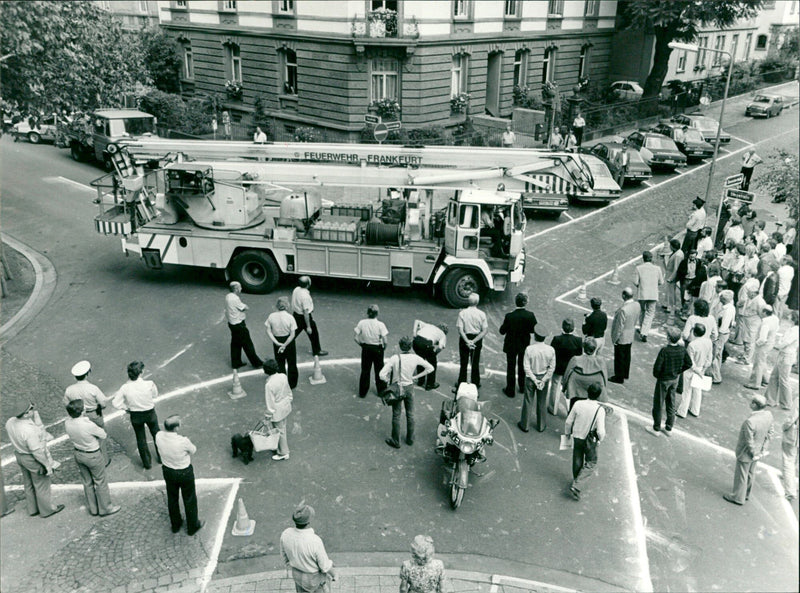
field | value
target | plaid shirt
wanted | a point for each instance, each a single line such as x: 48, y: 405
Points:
x: 671, y: 361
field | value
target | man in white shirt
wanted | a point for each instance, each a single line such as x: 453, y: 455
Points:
x: 724, y: 314
x: 539, y: 363
x: 701, y: 351
x: 697, y: 220
x: 282, y: 330
x: 429, y: 340
x: 402, y: 369
x: 749, y: 160
x: 259, y: 137
x: 302, y: 550
x: 137, y: 397
x: 472, y: 326
x: 370, y: 334
x: 586, y: 423
x: 735, y: 232
x: 765, y: 342
x: 93, y: 399
x: 779, y: 388
x: 86, y: 438
x: 509, y: 137
x: 176, y: 456
x: 705, y: 244
x: 240, y: 335
x: 302, y: 308
x: 578, y: 124
x: 649, y: 277
x: 780, y: 248
x: 34, y: 462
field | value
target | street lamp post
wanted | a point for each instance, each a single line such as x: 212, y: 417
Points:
x: 694, y: 48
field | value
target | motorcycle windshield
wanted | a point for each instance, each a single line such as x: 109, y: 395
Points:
x: 471, y: 423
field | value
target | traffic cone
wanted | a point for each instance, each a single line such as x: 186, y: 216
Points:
x: 615, y: 276
x: 243, y: 525
x: 236, y: 392
x: 582, y: 293
x: 317, y: 378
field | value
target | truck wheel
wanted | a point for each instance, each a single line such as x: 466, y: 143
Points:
x: 76, y: 152
x: 34, y: 137
x: 256, y: 270
x: 458, y: 284
x: 108, y: 165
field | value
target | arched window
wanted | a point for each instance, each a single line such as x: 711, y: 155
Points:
x: 761, y: 42
x: 288, y: 59
x: 549, y: 64
x: 521, y: 67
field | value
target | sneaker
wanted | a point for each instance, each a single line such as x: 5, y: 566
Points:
x: 277, y: 457
x: 112, y: 510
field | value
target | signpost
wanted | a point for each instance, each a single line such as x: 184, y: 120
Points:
x: 372, y: 119
x: 735, y: 198
x: 381, y: 132
x: 734, y: 180
x: 392, y: 125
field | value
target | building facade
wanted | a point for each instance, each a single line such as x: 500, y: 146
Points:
x: 134, y: 15
x: 328, y: 64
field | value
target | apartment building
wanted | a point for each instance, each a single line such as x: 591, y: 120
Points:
x: 134, y: 15
x: 328, y: 64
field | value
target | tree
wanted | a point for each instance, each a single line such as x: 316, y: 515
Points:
x: 66, y: 53
x: 162, y: 57
x: 783, y: 180
x: 679, y: 20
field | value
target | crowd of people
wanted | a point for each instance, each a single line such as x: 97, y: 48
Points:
x: 720, y: 304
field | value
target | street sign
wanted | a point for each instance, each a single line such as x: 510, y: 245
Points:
x: 372, y: 119
x: 734, y: 180
x: 393, y: 125
x: 381, y: 132
x: 737, y: 194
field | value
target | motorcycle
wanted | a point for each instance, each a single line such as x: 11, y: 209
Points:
x: 462, y: 436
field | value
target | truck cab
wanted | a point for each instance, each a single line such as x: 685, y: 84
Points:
x: 91, y: 135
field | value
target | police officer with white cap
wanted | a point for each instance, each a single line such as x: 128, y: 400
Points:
x: 93, y: 398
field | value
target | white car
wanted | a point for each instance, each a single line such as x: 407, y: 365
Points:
x: 630, y: 90
x: 45, y: 131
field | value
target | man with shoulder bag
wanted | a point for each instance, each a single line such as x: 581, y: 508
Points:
x: 398, y: 373
x: 586, y: 423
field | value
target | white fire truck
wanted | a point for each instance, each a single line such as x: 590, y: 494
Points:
x: 548, y: 180
x: 259, y: 220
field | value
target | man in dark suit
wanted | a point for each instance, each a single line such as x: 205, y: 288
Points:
x: 691, y: 275
x: 595, y: 324
x: 517, y: 328
x: 752, y: 446
x: 623, y: 328
x: 566, y: 346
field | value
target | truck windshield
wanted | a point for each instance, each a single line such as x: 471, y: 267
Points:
x: 131, y: 126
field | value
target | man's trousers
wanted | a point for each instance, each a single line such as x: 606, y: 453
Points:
x: 664, y: 397
x: 537, y: 397
x: 181, y: 481
x: 622, y: 361
x: 92, y: 468
x: 371, y: 360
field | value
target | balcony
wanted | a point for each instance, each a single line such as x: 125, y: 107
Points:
x: 383, y: 28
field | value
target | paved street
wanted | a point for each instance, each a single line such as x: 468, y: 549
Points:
x: 653, y: 519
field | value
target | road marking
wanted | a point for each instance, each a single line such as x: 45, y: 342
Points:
x: 171, y: 358
x: 568, y: 215
x: 500, y: 580
x: 665, y: 182
x: 739, y: 139
x: 646, y: 584
x: 647, y: 183
x: 220, y: 535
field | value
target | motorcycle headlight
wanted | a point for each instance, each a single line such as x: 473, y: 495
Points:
x: 468, y: 448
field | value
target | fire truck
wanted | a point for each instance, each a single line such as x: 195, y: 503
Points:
x: 547, y: 180
x: 260, y: 220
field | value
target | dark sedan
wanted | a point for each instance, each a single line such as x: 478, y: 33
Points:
x: 657, y: 150
x: 708, y: 127
x: 624, y: 162
x: 688, y: 140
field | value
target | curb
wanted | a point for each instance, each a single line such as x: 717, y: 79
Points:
x: 44, y: 286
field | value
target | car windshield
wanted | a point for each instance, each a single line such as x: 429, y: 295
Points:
x: 598, y: 168
x: 635, y: 157
x: 760, y: 99
x: 693, y: 136
x: 705, y: 123
x: 132, y: 126
x: 659, y: 142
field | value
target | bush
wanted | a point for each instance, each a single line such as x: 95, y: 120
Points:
x: 163, y: 59
x: 168, y: 108
x: 307, y: 134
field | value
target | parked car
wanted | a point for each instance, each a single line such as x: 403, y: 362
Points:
x: 630, y: 90
x: 688, y: 140
x: 764, y: 105
x: 657, y: 150
x: 624, y: 162
x: 605, y: 188
x: 44, y: 131
x: 707, y: 126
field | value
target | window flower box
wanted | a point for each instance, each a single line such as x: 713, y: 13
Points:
x: 386, y: 108
x: 459, y: 102
x: 234, y: 90
x: 382, y: 23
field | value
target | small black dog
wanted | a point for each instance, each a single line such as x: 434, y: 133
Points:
x: 242, y: 446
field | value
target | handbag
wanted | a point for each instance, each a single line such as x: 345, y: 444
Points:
x: 393, y: 392
x: 264, y: 439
